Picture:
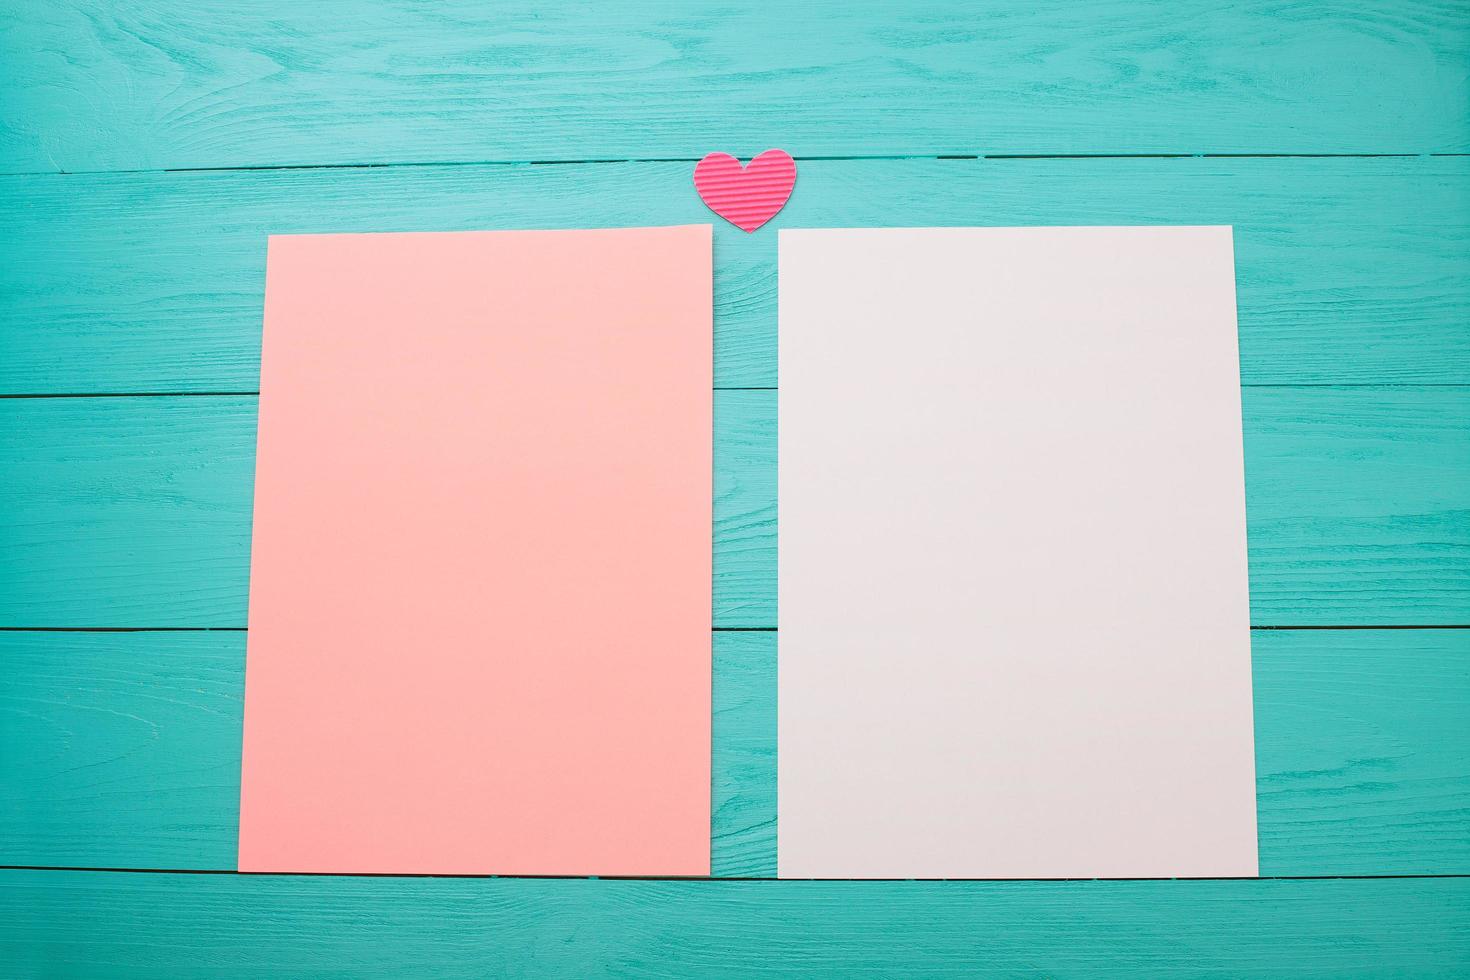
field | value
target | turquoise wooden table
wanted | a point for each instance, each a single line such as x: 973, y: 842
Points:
x: 147, y: 147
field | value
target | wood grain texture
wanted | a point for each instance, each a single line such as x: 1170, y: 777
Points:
x: 162, y: 927
x: 1358, y: 502
x: 1363, y: 750
x: 123, y: 750
x: 162, y: 84
x: 743, y: 767
x: 132, y: 747
x: 121, y: 746
x: 1349, y: 271
x: 136, y: 511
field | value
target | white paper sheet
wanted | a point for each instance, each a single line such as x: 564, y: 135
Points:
x: 1014, y: 611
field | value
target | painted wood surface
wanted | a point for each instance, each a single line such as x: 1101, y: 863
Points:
x: 135, y: 512
x: 133, y: 755
x: 1349, y: 271
x: 161, y: 84
x: 120, y: 749
x: 194, y: 926
x: 133, y: 751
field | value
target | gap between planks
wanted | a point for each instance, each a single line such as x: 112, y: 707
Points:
x: 1370, y: 385
x: 713, y: 629
x: 419, y: 164
x: 709, y: 880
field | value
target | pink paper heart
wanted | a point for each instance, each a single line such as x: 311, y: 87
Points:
x: 748, y: 196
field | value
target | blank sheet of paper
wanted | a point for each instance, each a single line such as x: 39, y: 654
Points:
x: 480, y: 578
x: 1014, y: 616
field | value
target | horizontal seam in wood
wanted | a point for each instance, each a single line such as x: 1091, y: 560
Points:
x: 713, y: 629
x: 701, y: 880
x: 1345, y: 385
x: 818, y: 158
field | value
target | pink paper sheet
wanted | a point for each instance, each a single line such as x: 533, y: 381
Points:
x: 480, y: 580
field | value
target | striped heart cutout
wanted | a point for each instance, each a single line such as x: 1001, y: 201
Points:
x: 747, y: 196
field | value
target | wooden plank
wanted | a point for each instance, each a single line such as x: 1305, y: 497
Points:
x: 743, y: 738
x: 136, y: 511
x: 132, y: 744
x: 121, y: 748
x: 132, y: 750
x: 93, y: 85
x: 123, y: 925
x: 1358, y: 503
x: 120, y: 495
x: 1350, y: 271
x: 1360, y: 751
